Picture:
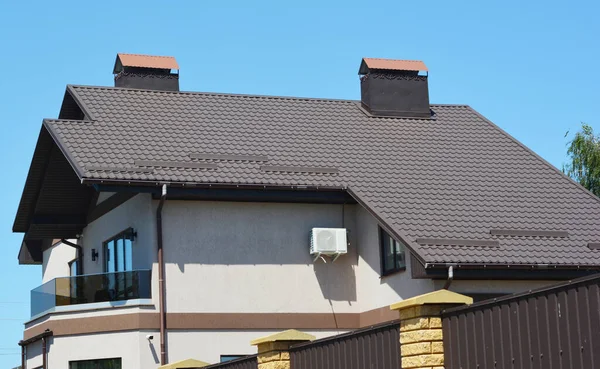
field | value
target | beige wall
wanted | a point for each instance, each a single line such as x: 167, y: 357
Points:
x: 137, y: 213
x: 375, y: 291
x: 136, y: 351
x: 254, y: 257
x: 125, y: 345
x: 208, y: 345
x: 55, y: 261
x: 34, y: 355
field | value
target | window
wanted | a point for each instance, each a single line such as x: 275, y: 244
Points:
x: 96, y: 364
x: 118, y: 253
x: 225, y: 358
x: 392, y: 254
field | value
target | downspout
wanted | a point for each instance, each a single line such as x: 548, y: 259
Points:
x: 450, y: 277
x: 23, y: 358
x: 24, y: 343
x: 44, y: 361
x: 161, y: 276
x: 79, y: 255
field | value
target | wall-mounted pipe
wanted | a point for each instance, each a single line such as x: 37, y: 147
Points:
x: 79, y: 255
x: 161, y: 276
x: 24, y: 343
x: 23, y: 358
x: 44, y: 352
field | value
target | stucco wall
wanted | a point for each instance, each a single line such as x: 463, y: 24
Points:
x: 55, y: 261
x: 137, y: 213
x: 254, y: 257
x: 208, y: 345
x: 125, y: 345
x: 136, y: 351
x: 34, y: 355
x: 375, y: 291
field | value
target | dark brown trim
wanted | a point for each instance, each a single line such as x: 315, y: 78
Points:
x: 36, y: 337
x: 275, y: 321
x: 99, y: 324
x: 233, y: 321
x: 508, y: 272
x: 109, y: 204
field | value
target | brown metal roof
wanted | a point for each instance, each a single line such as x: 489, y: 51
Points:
x: 452, y: 181
x: 456, y: 182
x: 391, y: 64
x: 145, y: 61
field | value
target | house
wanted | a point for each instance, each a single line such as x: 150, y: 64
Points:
x: 182, y: 219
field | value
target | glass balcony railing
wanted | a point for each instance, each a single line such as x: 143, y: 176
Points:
x: 86, y: 289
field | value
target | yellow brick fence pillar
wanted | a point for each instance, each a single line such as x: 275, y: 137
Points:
x: 421, y: 339
x: 274, y: 350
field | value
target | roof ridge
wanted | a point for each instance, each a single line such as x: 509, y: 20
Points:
x: 148, y: 56
x: 403, y: 60
x: 544, y: 161
x: 79, y: 101
x: 232, y: 94
x: 223, y: 94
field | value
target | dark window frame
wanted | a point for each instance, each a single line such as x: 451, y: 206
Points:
x: 129, y: 234
x: 233, y: 357
x: 382, y: 254
x: 95, y: 361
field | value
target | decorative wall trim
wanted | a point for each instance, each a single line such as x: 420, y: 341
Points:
x: 215, y: 321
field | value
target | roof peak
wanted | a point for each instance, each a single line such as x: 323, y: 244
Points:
x: 232, y: 94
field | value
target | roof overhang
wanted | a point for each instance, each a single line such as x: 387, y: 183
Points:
x: 54, y: 202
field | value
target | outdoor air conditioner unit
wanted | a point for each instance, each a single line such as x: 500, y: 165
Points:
x: 328, y: 241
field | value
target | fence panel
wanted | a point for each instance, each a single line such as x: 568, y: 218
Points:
x: 375, y: 347
x: 553, y: 327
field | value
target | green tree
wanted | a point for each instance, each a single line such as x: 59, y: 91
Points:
x: 584, y: 159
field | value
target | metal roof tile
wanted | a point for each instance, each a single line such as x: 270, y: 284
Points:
x: 455, y: 178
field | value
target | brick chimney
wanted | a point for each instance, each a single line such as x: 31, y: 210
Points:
x: 394, y: 87
x: 146, y: 72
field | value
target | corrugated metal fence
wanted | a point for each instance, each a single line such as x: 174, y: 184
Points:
x: 247, y: 362
x: 376, y: 347
x: 555, y: 327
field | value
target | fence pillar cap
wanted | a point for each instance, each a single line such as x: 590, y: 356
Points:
x: 438, y: 297
x: 188, y: 363
x: 289, y: 336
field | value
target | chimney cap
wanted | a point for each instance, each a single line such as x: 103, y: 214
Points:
x: 391, y: 64
x: 144, y: 61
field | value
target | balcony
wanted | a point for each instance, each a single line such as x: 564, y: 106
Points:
x: 91, y: 288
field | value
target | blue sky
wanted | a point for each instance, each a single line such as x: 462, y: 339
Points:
x: 531, y: 67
